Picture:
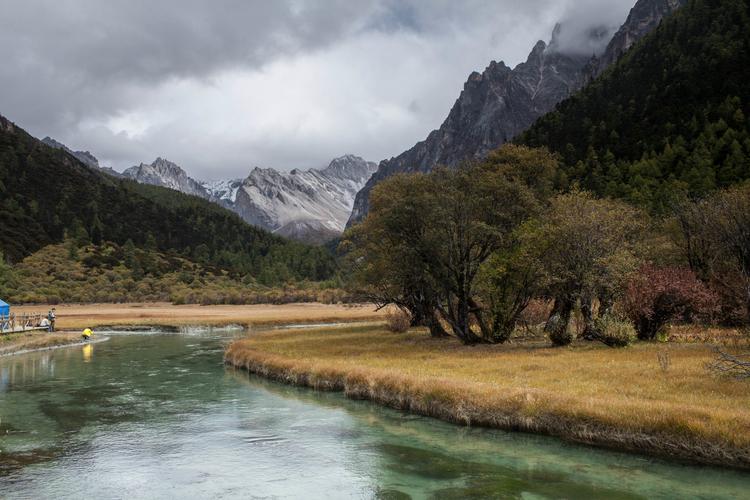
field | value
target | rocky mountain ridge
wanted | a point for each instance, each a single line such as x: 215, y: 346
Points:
x: 308, y: 205
x: 84, y: 157
x: 500, y: 103
x: 162, y: 172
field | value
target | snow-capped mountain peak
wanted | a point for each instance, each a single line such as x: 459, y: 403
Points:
x: 306, y: 204
x: 223, y: 190
x: 311, y: 205
x: 165, y: 173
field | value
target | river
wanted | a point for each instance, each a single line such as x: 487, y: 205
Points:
x: 157, y: 414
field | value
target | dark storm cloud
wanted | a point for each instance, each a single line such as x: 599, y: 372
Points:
x: 92, y: 54
x: 146, y: 40
x: 222, y: 85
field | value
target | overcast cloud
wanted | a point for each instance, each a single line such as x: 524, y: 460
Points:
x: 221, y: 86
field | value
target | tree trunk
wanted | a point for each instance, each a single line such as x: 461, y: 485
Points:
x: 460, y: 323
x: 476, y: 311
x: 417, y: 317
x: 587, y: 311
x: 462, y: 320
x: 557, y: 324
x: 436, y: 328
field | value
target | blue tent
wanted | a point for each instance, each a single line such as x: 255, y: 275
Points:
x: 4, y: 308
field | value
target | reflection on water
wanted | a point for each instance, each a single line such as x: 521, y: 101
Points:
x: 158, y: 415
x: 26, y: 369
x: 88, y: 353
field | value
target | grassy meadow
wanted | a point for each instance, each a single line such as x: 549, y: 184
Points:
x: 78, y: 316
x: 657, y: 398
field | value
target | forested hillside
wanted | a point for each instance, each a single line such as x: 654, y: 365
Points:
x: 670, y: 118
x: 46, y: 194
x: 67, y: 272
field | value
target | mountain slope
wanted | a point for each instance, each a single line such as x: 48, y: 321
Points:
x: 46, y: 193
x: 498, y: 104
x: 311, y: 205
x: 643, y: 18
x: 669, y: 117
x: 84, y: 157
x: 164, y: 173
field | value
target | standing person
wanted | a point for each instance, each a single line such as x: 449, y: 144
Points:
x: 51, y: 319
x: 86, y: 335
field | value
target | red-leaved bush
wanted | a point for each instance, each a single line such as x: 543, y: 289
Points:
x: 655, y: 296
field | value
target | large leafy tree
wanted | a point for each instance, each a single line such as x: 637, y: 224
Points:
x: 382, y: 258
x: 585, y: 248
x: 428, y: 237
x: 716, y: 241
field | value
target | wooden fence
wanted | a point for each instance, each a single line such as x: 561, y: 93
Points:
x: 13, y: 323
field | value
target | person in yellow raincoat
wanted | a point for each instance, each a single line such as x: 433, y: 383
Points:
x: 87, y: 333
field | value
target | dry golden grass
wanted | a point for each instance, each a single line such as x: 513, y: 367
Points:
x: 619, y: 398
x: 165, y: 314
x: 35, y: 340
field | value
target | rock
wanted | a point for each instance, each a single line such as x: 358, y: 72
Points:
x: 165, y: 173
x: 311, y: 205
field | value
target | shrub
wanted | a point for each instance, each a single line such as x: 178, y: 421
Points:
x: 655, y: 296
x: 614, y: 331
x: 398, y: 321
x: 52, y: 299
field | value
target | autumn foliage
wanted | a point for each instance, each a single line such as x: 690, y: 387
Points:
x: 654, y: 296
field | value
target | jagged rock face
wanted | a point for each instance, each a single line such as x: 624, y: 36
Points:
x: 493, y: 107
x: 164, y: 173
x: 311, y: 205
x: 223, y: 192
x: 500, y: 103
x: 84, y: 157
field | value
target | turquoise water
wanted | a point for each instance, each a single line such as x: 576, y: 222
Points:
x: 158, y: 415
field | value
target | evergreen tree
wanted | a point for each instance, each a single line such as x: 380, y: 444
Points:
x: 671, y: 112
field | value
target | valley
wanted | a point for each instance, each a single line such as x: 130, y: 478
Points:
x: 547, y: 296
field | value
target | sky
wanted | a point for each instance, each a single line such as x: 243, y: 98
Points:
x: 222, y: 86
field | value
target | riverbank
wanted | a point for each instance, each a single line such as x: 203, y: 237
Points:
x: 76, y: 317
x: 656, y: 399
x: 33, y: 341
